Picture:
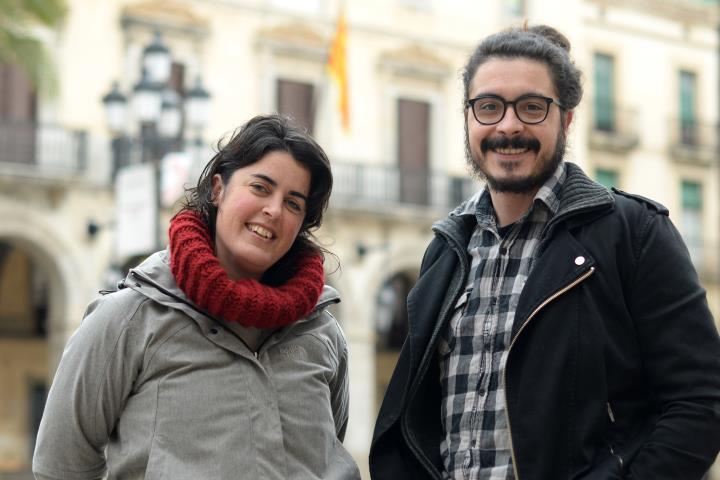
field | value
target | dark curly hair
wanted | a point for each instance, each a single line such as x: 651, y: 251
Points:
x: 261, y: 135
x: 541, y: 43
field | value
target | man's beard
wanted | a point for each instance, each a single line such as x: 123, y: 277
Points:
x: 525, y: 184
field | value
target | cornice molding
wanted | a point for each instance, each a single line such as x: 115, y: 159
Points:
x: 296, y: 39
x: 164, y: 16
x: 416, y: 61
x: 686, y: 12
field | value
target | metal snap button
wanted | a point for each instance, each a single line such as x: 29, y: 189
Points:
x: 579, y: 260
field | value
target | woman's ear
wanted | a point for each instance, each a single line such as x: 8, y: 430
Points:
x: 217, y: 188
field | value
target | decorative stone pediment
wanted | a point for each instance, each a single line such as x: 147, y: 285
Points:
x: 165, y: 16
x: 295, y: 39
x: 416, y: 61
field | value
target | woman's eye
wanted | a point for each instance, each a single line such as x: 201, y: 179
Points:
x: 258, y: 188
x: 294, y: 206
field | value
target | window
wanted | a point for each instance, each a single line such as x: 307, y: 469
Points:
x: 692, y: 218
x: 390, y: 328
x: 297, y: 100
x: 688, y: 119
x: 301, y: 6
x: 514, y: 8
x: 417, y: 4
x: 17, y: 115
x: 604, y: 92
x: 606, y: 178
x: 24, y: 294
x: 37, y: 394
x: 413, y: 150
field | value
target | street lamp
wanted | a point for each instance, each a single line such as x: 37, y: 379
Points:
x: 159, y: 111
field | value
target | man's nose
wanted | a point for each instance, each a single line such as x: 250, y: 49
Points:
x: 510, y: 124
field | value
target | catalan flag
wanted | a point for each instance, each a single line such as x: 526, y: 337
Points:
x: 337, y: 66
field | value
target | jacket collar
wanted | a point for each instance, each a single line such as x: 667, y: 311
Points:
x: 578, y: 194
x: 154, y: 279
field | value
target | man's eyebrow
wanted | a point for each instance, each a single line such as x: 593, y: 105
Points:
x: 526, y: 94
x: 274, y: 184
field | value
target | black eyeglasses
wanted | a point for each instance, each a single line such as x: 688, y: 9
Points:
x: 490, y: 109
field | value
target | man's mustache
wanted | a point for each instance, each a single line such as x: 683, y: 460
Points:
x: 505, y: 142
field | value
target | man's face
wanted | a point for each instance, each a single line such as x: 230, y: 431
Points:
x: 511, y: 155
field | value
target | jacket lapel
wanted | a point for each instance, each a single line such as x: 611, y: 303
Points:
x: 563, y: 262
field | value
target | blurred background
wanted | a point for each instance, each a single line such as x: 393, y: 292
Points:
x: 108, y: 108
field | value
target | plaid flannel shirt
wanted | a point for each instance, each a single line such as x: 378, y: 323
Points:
x: 474, y: 347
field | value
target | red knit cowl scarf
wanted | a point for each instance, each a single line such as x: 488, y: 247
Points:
x: 198, y: 273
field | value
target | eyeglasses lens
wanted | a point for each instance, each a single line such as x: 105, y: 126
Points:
x: 530, y: 110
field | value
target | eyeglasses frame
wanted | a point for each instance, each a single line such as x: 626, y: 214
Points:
x: 471, y: 105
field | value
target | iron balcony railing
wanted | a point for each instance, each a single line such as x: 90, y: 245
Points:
x: 377, y: 187
x: 612, y: 127
x: 41, y: 149
x: 694, y: 141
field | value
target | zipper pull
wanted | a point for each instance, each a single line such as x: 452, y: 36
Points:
x: 610, y: 413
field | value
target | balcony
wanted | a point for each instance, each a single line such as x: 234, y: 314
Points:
x: 383, y: 189
x: 41, y: 151
x: 613, y: 129
x: 693, y: 142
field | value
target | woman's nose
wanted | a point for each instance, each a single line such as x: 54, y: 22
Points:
x: 272, y: 207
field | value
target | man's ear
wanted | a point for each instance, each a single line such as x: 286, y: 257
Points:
x: 567, y: 119
x: 217, y: 188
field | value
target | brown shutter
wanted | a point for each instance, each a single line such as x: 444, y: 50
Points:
x: 17, y: 116
x: 413, y: 150
x: 296, y: 99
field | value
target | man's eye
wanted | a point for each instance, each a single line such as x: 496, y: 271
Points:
x: 533, y: 107
x: 488, y: 106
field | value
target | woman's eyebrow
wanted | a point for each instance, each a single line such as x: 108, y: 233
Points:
x: 274, y: 184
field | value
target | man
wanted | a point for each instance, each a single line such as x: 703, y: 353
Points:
x: 557, y: 329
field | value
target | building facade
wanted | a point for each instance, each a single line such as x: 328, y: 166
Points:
x: 647, y: 125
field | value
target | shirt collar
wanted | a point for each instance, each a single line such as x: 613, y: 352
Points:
x: 480, y: 204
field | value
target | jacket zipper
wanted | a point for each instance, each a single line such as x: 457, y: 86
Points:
x: 530, y: 317
x: 611, y: 416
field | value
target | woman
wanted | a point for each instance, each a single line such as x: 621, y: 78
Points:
x: 216, y: 359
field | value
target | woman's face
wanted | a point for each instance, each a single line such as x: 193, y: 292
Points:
x: 260, y: 212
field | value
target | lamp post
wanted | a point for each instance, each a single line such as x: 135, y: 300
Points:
x: 159, y: 113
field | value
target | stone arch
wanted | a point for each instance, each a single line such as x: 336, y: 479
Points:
x: 395, y: 272
x: 27, y: 229
x: 38, y: 256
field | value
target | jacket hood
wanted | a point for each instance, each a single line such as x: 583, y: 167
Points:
x: 154, y: 279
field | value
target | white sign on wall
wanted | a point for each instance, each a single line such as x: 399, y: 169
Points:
x: 136, y: 210
x: 175, y: 176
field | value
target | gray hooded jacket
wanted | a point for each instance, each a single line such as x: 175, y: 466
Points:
x: 150, y: 387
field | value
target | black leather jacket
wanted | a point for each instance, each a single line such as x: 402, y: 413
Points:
x: 614, y: 367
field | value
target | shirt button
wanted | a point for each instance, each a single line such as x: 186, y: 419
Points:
x: 213, y: 331
x: 579, y: 260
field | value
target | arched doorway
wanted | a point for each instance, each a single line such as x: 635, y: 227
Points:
x: 24, y: 352
x: 390, y: 328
